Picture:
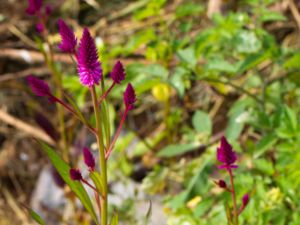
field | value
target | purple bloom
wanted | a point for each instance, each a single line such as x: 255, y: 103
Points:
x: 48, y: 10
x: 245, y: 200
x: 68, y: 39
x: 226, y: 155
x: 89, y: 68
x: 221, y: 184
x: 34, y: 6
x: 89, y: 159
x: 39, y: 27
x: 38, y: 86
x: 129, y: 97
x: 118, y: 73
x: 75, y: 174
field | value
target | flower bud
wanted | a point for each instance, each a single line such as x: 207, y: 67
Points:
x: 89, y: 159
x: 75, y: 174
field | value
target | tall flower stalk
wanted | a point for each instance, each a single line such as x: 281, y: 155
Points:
x: 90, y: 76
x: 228, y: 158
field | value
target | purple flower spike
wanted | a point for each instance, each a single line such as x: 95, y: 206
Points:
x: 226, y: 155
x: 39, y: 27
x: 75, y: 174
x: 89, y: 159
x: 118, y: 73
x: 221, y: 184
x: 34, y: 6
x: 245, y: 200
x: 48, y: 10
x: 129, y: 97
x: 89, y: 68
x: 68, y: 39
x: 38, y: 87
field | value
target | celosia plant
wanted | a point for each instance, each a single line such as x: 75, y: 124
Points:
x: 90, y: 75
x: 228, y: 158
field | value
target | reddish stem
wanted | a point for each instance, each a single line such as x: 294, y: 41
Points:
x: 235, y: 212
x: 106, y: 93
x: 88, y: 184
x: 71, y: 110
x: 110, y: 148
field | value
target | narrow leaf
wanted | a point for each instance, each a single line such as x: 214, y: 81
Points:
x: 149, y: 212
x: 63, y: 169
x: 114, y: 219
x: 96, y: 178
x: 36, y: 217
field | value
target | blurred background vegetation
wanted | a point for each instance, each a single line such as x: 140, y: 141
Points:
x: 201, y: 69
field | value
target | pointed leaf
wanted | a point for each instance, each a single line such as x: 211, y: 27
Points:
x: 63, y: 169
x: 149, y: 212
x: 114, y: 219
x: 96, y: 178
x: 36, y: 217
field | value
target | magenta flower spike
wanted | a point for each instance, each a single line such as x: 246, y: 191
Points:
x: 129, y: 97
x: 48, y: 10
x: 39, y: 27
x: 89, y: 159
x: 221, y: 184
x: 34, y: 6
x: 118, y: 73
x: 226, y: 155
x: 38, y: 86
x: 68, y: 39
x: 89, y: 68
x: 245, y: 200
x: 75, y: 174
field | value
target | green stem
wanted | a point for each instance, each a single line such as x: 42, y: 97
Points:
x: 103, y: 170
x: 235, y: 211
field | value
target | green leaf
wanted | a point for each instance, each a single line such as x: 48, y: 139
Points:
x: 247, y: 42
x: 202, y: 122
x: 96, y: 178
x: 36, y: 217
x: 269, y: 16
x: 188, y: 56
x: 177, y: 149
x: 188, y: 9
x: 218, y: 64
x: 63, y: 169
x: 292, y: 62
x: 115, y: 219
x: 178, y: 80
x: 253, y: 60
x: 265, y: 144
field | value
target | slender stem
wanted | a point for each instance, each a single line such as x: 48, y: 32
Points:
x: 110, y: 148
x: 106, y: 93
x: 103, y: 170
x: 88, y: 184
x: 85, y: 122
x: 235, y: 211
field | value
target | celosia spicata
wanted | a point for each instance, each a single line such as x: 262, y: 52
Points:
x: 245, y: 200
x: 48, y: 10
x: 226, y: 155
x: 75, y: 174
x: 129, y: 97
x: 34, y: 6
x: 89, y: 67
x: 39, y: 27
x: 38, y: 86
x: 118, y: 73
x: 221, y: 184
x: 68, y: 39
x: 89, y: 159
